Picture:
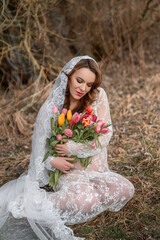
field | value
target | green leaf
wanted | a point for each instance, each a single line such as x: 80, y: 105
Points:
x: 51, y: 179
x: 56, y: 176
x: 53, y: 132
x: 54, y: 143
x: 99, y: 144
x: 48, y: 141
x: 76, y: 131
x: 85, y: 162
x: 75, y: 159
x: 46, y: 156
x: 52, y: 123
x: 88, y: 144
x: 53, y: 152
x: 53, y: 138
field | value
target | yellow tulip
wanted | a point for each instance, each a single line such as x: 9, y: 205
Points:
x: 69, y: 115
x: 61, y: 119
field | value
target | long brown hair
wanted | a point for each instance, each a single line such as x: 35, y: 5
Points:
x: 90, y: 97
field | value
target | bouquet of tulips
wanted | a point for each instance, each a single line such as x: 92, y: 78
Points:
x: 79, y: 127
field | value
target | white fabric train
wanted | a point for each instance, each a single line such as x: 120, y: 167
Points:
x: 82, y: 194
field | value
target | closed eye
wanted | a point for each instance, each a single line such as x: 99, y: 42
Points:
x: 79, y: 80
x: 90, y: 84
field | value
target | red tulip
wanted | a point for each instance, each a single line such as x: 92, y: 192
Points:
x: 86, y: 121
x: 90, y: 110
x: 84, y: 116
x: 72, y: 124
x: 94, y: 118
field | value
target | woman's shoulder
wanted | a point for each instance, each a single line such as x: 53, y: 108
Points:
x: 101, y: 92
x: 100, y: 89
x: 100, y: 96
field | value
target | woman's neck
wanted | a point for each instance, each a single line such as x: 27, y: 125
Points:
x: 73, y: 104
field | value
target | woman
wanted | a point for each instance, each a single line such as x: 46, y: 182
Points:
x: 82, y: 194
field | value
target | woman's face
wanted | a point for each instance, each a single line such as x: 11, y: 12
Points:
x: 81, y: 82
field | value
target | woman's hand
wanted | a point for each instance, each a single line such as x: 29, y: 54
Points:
x: 62, y: 164
x: 62, y: 149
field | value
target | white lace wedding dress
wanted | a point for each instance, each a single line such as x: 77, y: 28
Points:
x: 81, y: 195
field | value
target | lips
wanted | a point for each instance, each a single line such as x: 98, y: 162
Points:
x: 79, y: 94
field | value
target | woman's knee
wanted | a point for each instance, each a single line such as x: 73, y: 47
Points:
x: 89, y: 203
x: 128, y: 190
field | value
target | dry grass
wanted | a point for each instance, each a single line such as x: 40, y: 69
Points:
x: 134, y: 150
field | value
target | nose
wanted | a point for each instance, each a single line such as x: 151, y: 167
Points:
x: 83, y: 87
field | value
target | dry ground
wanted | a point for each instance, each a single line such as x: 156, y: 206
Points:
x: 133, y: 151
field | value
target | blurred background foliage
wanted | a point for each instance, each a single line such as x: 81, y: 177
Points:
x: 38, y: 36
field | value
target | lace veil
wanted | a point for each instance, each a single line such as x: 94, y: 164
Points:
x: 42, y: 128
x: 23, y: 197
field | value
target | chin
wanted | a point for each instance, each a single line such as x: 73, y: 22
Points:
x: 77, y: 98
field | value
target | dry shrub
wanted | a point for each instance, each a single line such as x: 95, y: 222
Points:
x: 19, y: 107
x: 45, y: 34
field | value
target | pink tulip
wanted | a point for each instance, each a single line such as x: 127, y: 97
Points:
x: 68, y: 132
x: 104, y: 130
x: 97, y: 129
x: 104, y: 124
x: 64, y: 110
x: 55, y: 109
x: 76, y: 117
x: 100, y: 123
x: 59, y: 137
x: 93, y: 145
x: 91, y: 123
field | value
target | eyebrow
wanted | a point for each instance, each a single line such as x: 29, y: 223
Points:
x: 84, y: 81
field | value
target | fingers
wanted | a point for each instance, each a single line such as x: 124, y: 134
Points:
x: 71, y: 165
x: 60, y: 146
x: 68, y: 165
x: 61, y: 153
x: 69, y: 159
x: 66, y: 172
x: 65, y: 140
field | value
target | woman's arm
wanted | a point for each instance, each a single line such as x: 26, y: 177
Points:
x: 103, y: 113
x: 48, y: 165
